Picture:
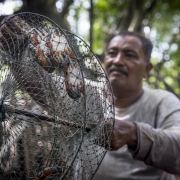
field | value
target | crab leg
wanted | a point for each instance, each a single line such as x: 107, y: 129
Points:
x: 73, y: 76
x: 39, y: 47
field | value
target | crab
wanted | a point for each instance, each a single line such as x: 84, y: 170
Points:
x: 50, y: 47
x: 52, y: 172
x: 52, y: 50
x: 48, y: 173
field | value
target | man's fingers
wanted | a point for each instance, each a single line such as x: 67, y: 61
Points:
x: 104, y: 135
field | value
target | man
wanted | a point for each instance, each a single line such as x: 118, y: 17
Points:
x: 146, y: 138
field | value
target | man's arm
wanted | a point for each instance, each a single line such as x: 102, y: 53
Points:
x: 125, y: 132
x: 156, y: 147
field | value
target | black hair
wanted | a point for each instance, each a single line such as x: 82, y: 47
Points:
x: 146, y: 43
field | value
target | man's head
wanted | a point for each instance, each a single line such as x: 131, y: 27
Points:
x: 146, y: 43
x: 127, y: 62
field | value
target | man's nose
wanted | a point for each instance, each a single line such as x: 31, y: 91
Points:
x: 119, y: 59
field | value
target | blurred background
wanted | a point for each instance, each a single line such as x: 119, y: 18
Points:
x: 95, y: 21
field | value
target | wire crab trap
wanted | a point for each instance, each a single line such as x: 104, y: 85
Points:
x: 54, y: 97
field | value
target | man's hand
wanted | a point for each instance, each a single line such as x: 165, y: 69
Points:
x: 125, y: 132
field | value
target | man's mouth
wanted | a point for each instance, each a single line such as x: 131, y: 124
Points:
x: 118, y: 70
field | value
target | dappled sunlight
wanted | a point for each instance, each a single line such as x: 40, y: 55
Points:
x: 8, y: 6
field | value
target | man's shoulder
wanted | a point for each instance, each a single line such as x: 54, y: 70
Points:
x: 159, y: 94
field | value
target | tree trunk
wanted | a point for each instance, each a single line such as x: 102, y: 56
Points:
x: 134, y: 14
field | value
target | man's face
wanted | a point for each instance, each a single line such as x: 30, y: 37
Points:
x: 125, y: 63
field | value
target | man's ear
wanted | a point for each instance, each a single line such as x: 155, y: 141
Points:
x: 148, y: 69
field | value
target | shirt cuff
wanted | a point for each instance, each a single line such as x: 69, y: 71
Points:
x: 135, y: 150
x: 145, y: 141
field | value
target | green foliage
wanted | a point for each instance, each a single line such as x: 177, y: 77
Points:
x: 160, y: 19
x: 166, y: 24
x: 16, y: 8
x: 106, y: 14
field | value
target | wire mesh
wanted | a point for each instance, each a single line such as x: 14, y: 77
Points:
x: 54, y: 97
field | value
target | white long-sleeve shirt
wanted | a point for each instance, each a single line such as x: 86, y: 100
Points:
x: 157, y: 116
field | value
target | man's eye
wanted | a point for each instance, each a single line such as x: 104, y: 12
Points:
x: 130, y: 55
x: 111, y: 53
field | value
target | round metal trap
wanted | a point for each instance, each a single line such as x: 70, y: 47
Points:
x: 54, y: 97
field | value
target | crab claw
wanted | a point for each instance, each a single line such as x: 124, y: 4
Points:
x: 73, y: 76
x: 38, y: 44
x: 73, y: 93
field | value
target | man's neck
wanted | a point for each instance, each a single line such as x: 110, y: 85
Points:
x: 124, y: 101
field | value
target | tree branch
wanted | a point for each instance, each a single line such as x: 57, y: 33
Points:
x: 67, y: 4
x: 150, y: 8
x: 168, y: 87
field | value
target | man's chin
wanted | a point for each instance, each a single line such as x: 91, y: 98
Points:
x: 117, y: 83
x: 117, y: 79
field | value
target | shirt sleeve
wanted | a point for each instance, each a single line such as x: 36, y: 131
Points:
x: 160, y: 146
